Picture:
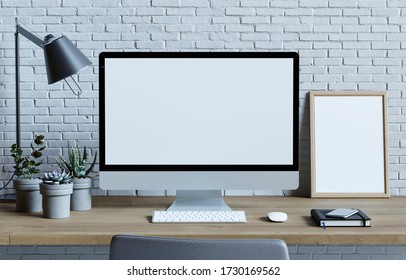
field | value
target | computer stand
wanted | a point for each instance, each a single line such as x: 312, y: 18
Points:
x: 199, y: 200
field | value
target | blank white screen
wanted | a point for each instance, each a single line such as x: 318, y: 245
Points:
x: 198, y: 111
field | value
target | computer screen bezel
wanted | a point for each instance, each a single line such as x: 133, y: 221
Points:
x: 199, y: 167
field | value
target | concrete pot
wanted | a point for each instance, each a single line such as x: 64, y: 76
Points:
x: 81, y: 198
x: 28, y: 197
x: 56, y: 200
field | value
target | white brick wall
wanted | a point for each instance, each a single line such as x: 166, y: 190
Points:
x: 344, y: 45
x: 296, y: 252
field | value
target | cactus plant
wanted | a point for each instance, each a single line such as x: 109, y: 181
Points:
x: 56, y: 178
x: 27, y: 166
x: 77, y: 162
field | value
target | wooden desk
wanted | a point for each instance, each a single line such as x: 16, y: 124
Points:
x: 131, y: 215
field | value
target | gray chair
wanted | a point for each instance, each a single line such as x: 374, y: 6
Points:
x: 132, y: 247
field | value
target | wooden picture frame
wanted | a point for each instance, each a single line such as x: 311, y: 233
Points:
x: 349, y: 144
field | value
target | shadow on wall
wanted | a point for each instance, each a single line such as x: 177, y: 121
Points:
x: 304, y: 150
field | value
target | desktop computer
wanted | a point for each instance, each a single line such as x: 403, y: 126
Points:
x: 199, y: 123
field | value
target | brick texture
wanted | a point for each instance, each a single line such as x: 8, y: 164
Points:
x: 296, y: 252
x: 344, y: 45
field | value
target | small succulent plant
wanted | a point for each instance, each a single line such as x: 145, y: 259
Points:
x: 77, y: 162
x: 56, y: 178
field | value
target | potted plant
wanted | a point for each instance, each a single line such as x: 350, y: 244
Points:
x: 56, y: 189
x: 76, y: 166
x: 28, y: 197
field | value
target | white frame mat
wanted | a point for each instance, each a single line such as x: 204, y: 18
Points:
x: 349, y: 144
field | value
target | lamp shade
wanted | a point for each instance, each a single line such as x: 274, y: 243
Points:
x: 62, y: 58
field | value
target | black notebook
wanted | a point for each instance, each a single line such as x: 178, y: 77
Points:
x: 360, y: 219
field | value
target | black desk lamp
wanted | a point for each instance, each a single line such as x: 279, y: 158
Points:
x: 62, y: 60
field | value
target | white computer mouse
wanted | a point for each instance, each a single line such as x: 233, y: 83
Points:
x: 277, y: 217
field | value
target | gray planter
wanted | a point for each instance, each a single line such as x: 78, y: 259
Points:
x: 56, y: 200
x: 81, y: 198
x: 28, y: 197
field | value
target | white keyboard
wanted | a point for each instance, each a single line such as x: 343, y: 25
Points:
x: 199, y: 217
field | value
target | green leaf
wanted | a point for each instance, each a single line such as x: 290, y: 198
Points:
x: 31, y: 170
x: 85, y: 155
x: 36, y: 154
x: 64, y: 165
x: 38, y: 139
x: 79, y: 155
x: 70, y: 153
x: 92, y: 165
x: 74, y: 158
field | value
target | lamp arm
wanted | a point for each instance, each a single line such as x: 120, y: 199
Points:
x: 80, y: 90
x: 36, y: 40
x: 30, y: 36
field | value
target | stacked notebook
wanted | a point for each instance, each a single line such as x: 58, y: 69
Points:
x: 359, y: 219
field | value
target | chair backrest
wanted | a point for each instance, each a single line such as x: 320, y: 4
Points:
x: 132, y: 247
